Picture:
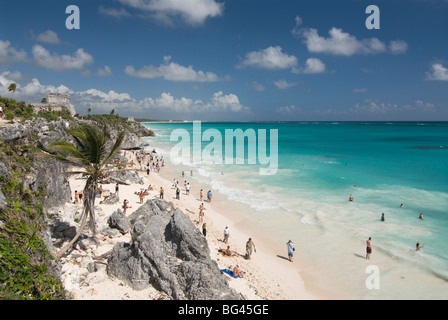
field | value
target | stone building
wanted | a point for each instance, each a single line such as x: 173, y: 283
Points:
x: 57, y: 102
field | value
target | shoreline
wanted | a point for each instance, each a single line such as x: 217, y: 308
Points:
x: 266, y: 276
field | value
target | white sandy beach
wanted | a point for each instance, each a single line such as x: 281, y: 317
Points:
x: 267, y: 276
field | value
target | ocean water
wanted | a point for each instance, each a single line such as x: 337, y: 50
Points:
x: 383, y: 165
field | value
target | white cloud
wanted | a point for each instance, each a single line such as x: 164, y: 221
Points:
x: 289, y: 109
x: 296, y: 30
x: 101, y: 101
x: 398, y: 46
x: 258, y: 86
x: 105, y: 72
x: 173, y: 72
x: 113, y: 12
x: 49, y: 36
x: 33, y: 91
x: 314, y: 65
x: 284, y: 85
x: 193, y: 12
x: 78, y: 61
x: 269, y: 58
x: 219, y: 102
x: 110, y: 96
x: 360, y: 90
x: 9, y: 54
x: 438, y: 72
x: 340, y: 43
x: 370, y: 106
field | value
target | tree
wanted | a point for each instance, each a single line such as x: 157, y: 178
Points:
x: 44, y: 100
x: 88, y: 110
x: 89, y: 155
x: 12, y: 87
x: 112, y: 112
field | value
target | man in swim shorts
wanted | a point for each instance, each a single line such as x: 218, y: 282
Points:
x: 368, y: 248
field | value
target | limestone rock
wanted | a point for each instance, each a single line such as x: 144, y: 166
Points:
x: 168, y: 252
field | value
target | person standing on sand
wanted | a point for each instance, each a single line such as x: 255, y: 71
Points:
x: 161, y: 193
x: 226, y: 234
x: 116, y: 189
x: 201, y: 195
x: 250, y: 246
x: 291, y: 249
x: 368, y: 248
x: 177, y: 193
x: 125, y: 205
x: 209, y: 196
x: 204, y: 230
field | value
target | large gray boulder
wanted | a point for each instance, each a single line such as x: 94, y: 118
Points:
x: 168, y: 252
x: 119, y: 221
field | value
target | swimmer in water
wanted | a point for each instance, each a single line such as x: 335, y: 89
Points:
x: 350, y: 198
x: 418, y: 246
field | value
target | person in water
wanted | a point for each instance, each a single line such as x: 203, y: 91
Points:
x: 418, y: 246
x: 382, y: 217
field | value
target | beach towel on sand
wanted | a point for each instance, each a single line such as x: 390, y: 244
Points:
x: 230, y: 273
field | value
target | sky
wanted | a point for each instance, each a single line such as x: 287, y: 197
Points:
x: 231, y: 60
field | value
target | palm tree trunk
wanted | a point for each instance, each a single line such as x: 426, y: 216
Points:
x: 64, y: 249
x: 90, y: 190
x: 88, y: 211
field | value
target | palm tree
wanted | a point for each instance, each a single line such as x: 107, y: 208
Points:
x: 89, y: 154
x: 12, y: 87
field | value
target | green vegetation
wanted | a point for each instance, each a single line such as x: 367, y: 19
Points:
x: 25, y: 262
x: 19, y: 109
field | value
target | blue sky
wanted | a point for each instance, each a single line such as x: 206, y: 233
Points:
x: 248, y: 60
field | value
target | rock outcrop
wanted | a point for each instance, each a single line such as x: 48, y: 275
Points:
x: 168, y: 252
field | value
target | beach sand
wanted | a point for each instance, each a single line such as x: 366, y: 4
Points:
x: 268, y: 275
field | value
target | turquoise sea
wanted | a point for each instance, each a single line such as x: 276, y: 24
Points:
x: 383, y: 165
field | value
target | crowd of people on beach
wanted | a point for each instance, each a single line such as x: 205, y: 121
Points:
x: 146, y: 163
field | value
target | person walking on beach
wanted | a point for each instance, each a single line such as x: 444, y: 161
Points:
x: 250, y: 246
x: 204, y: 230
x: 116, y: 189
x: 177, y: 193
x: 201, y: 195
x: 226, y: 234
x: 368, y: 248
x: 291, y: 249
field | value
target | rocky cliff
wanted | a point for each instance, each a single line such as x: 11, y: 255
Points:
x: 168, y: 252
